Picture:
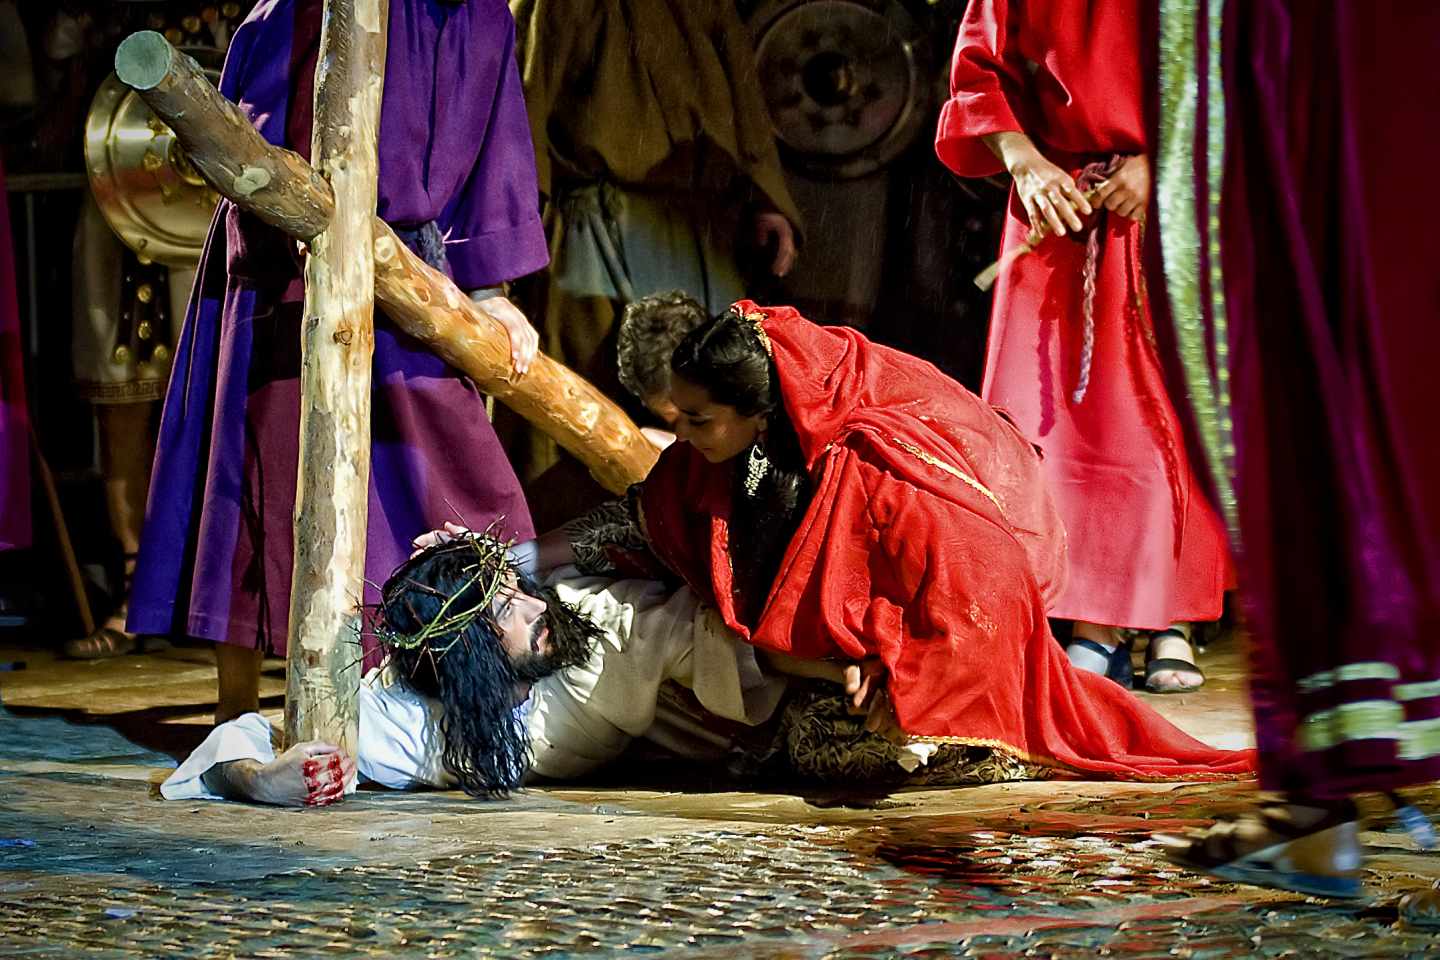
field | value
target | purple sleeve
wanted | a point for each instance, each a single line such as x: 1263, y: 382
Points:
x: 493, y: 229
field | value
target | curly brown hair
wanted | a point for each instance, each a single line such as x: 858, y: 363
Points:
x: 649, y: 332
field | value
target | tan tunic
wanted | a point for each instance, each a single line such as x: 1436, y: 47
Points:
x: 648, y: 93
x: 652, y: 142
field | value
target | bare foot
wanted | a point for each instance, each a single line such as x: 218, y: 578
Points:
x: 312, y: 774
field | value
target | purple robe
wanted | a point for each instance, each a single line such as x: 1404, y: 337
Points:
x: 14, y: 421
x: 217, y: 550
x: 1329, y: 470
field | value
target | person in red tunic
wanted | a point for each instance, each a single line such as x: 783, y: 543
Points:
x: 849, y: 506
x: 1050, y: 91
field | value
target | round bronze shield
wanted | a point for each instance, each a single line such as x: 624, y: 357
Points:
x: 145, y: 187
x: 847, y: 82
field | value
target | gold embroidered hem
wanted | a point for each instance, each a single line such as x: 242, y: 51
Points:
x: 1053, y: 764
x: 757, y: 322
x: 128, y: 391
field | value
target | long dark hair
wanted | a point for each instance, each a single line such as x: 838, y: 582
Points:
x: 728, y: 358
x: 464, y: 666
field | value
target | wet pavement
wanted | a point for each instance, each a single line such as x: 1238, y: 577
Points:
x: 92, y: 863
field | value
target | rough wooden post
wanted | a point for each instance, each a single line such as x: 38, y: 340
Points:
x: 337, y: 340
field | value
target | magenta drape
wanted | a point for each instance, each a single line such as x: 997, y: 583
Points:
x: 14, y: 417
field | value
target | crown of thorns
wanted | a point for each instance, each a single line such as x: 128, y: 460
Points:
x: 483, y: 576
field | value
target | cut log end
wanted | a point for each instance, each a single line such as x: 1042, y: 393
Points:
x: 143, y: 59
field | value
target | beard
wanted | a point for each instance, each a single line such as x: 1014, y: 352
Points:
x: 572, y: 638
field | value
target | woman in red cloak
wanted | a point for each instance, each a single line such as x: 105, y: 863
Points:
x: 845, y: 505
x: 1051, y: 91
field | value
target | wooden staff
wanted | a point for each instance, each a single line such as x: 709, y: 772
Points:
x: 337, y: 340
x: 280, y: 188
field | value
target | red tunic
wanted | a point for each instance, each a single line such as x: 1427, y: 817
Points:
x: 930, y: 542
x: 1146, y: 549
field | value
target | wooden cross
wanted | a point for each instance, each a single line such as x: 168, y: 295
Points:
x: 352, y: 252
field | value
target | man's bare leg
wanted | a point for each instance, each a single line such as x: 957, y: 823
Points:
x: 310, y: 774
x: 127, y: 446
x: 237, y: 672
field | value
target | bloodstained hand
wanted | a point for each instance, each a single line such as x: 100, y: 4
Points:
x: 312, y: 774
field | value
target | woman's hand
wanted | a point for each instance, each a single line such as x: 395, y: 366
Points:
x: 863, y: 680
x: 865, y: 686
x: 524, y: 556
x: 1049, y: 194
x: 659, y: 438
x: 447, y: 532
x: 1127, y: 192
x: 880, y: 719
x: 524, y: 340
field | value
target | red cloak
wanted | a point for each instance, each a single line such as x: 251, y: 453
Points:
x: 931, y: 543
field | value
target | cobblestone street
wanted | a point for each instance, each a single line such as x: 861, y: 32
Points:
x: 93, y: 863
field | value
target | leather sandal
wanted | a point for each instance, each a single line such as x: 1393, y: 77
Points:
x: 1320, y: 859
x: 103, y: 643
x: 112, y: 641
x: 1156, y: 665
x: 1117, y: 661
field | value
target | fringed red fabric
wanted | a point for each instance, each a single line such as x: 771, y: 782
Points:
x: 931, y: 543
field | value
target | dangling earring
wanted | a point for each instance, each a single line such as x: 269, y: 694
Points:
x: 756, y: 466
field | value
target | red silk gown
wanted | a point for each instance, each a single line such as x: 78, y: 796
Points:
x: 1146, y: 548
x: 930, y: 542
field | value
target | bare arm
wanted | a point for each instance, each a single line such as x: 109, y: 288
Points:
x: 1048, y: 193
x: 831, y: 670
x: 312, y: 774
x: 553, y: 550
x: 862, y: 679
x: 864, y: 683
x: 233, y: 780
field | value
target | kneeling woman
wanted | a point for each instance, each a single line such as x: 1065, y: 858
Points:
x: 861, y: 517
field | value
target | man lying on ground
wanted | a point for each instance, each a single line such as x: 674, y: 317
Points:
x: 491, y: 676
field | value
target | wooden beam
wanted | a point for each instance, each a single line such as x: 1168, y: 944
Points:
x: 421, y: 301
x: 275, y: 184
x: 337, y: 340
x: 427, y: 305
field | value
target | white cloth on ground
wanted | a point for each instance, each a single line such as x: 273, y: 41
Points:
x: 399, y: 742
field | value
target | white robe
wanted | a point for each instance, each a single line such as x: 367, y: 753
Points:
x: 577, y: 720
